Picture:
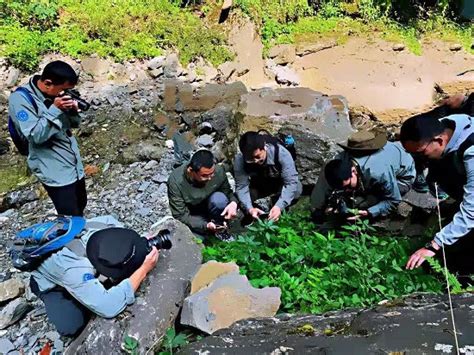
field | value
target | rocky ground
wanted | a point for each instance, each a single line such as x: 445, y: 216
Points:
x: 135, y: 194
x: 138, y: 106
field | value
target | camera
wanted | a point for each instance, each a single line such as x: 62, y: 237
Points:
x: 82, y: 104
x: 161, y: 240
x: 337, y: 201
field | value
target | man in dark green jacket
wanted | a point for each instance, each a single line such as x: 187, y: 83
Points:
x: 200, y: 195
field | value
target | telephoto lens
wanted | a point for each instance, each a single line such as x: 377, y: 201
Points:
x: 161, y: 240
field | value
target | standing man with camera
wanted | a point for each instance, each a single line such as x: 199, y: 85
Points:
x: 41, y: 117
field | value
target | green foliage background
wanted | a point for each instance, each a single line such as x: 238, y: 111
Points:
x: 121, y: 29
x: 317, y: 272
x: 124, y: 29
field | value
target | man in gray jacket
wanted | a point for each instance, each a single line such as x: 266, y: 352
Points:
x: 44, y: 119
x: 264, y: 168
x: 68, y: 281
x: 371, y: 175
x: 448, y: 146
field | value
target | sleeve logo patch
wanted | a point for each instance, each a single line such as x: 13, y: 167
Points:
x: 22, y: 116
x: 87, y: 277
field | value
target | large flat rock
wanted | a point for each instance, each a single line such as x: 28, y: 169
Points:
x: 316, y: 121
x: 157, y: 305
x: 416, y: 325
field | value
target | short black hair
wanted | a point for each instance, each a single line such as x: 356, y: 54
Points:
x: 421, y: 128
x: 59, y: 72
x: 338, y: 170
x: 201, y: 159
x: 250, y: 142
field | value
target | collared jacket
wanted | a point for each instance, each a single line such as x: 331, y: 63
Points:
x: 463, y: 220
x: 292, y: 186
x: 76, y: 274
x: 381, y: 173
x: 53, y: 152
x: 185, y: 196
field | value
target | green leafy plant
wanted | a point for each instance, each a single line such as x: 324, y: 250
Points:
x: 172, y: 342
x: 130, y: 345
x: 454, y: 284
x: 317, y: 272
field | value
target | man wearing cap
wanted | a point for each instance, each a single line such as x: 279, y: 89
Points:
x: 370, y: 175
x: 200, y: 196
x: 68, y: 284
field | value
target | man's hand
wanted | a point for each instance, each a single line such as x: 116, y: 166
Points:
x: 230, y: 211
x: 274, y: 214
x: 418, y: 257
x: 65, y: 103
x: 211, y: 226
x: 454, y: 101
x: 151, y: 260
x: 255, y: 212
x: 360, y: 214
x: 148, y: 264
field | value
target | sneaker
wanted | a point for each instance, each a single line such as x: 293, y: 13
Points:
x: 225, y: 236
x: 420, y: 184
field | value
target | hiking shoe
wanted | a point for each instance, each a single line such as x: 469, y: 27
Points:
x: 420, y: 184
x: 225, y: 236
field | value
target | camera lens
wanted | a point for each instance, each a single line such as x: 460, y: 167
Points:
x: 161, y: 240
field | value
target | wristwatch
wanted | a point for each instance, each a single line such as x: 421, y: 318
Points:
x: 430, y: 247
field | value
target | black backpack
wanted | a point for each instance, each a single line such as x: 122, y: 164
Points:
x: 20, y: 141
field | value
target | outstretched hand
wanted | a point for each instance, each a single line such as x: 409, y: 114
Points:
x: 418, y: 257
x: 230, y: 211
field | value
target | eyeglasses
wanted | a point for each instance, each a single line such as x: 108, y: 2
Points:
x: 421, y: 153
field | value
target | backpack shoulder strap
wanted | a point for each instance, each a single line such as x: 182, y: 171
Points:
x: 468, y: 142
x: 27, y: 95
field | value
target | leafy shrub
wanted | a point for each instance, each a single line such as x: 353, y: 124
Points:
x: 121, y: 29
x: 316, y: 272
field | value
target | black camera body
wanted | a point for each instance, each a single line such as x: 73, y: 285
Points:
x: 337, y: 201
x: 160, y: 240
x: 82, y: 104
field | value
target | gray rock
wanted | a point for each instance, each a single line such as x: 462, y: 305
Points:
x: 420, y: 324
x: 13, y: 312
x: 316, y: 121
x: 286, y: 76
x: 11, y: 289
x: 155, y: 73
x: 144, y: 185
x: 150, y: 165
x: 305, y: 49
x: 12, y: 78
x: 143, y: 151
x: 455, y: 47
x: 16, y: 199
x: 6, y: 346
x: 283, y: 54
x: 156, y: 62
x: 220, y: 117
x: 228, y: 299
x: 205, y: 140
x: 398, y: 47
x: 162, y: 294
x: 58, y: 345
x: 160, y: 178
x: 52, y: 335
x: 95, y: 66
x: 171, y: 66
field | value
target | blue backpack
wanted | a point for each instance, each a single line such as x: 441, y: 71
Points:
x: 33, y: 245
x: 20, y: 141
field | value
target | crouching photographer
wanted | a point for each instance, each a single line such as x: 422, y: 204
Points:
x: 69, y: 281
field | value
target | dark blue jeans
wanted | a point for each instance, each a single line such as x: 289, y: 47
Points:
x: 64, y: 311
x: 211, y: 208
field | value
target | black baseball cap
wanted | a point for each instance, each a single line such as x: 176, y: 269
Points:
x: 116, y: 252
